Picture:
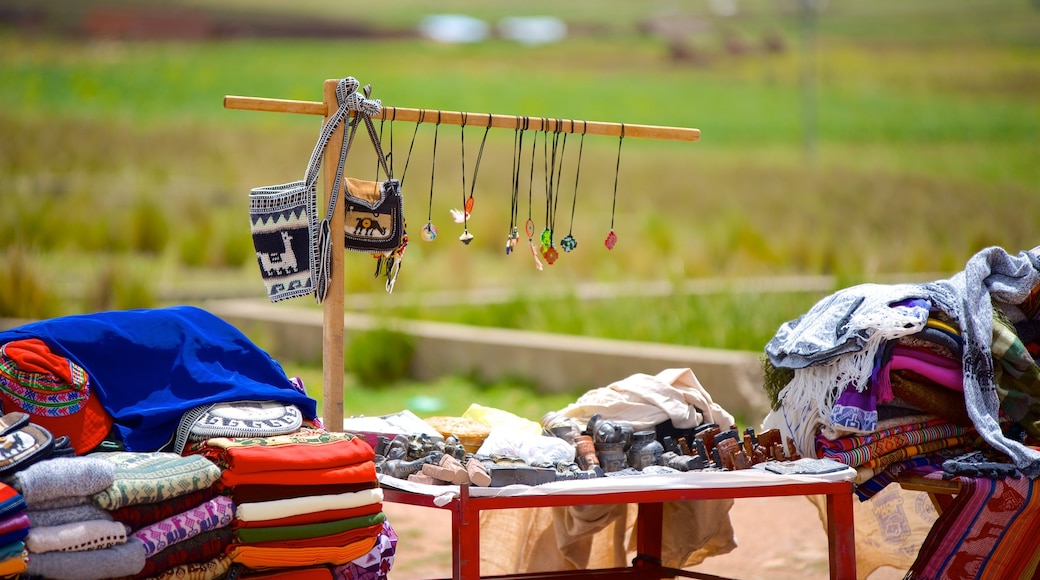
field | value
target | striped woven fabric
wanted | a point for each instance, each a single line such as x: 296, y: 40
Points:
x: 988, y: 532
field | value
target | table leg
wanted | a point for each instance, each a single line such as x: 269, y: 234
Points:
x: 648, y: 533
x: 841, y: 536
x: 465, y: 536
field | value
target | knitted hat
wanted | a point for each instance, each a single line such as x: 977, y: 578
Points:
x: 54, y: 391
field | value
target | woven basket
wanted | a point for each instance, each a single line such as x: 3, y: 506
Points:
x: 470, y: 433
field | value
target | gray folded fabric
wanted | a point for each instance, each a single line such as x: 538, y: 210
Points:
x: 115, y: 562
x: 67, y: 515
x: 61, y: 502
x: 63, y: 477
x: 75, y: 537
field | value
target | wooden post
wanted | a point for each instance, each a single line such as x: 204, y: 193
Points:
x: 332, y: 357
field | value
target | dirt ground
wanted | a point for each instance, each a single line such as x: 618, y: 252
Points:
x: 779, y: 538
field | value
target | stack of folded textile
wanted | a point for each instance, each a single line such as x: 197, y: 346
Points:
x: 885, y: 403
x: 170, y: 504
x: 14, y: 527
x: 307, y: 503
x: 70, y: 537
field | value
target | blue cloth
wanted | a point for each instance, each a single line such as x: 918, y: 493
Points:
x: 149, y: 366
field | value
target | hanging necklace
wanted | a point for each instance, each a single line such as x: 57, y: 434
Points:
x: 463, y: 215
x: 518, y: 145
x: 568, y: 243
x: 553, y: 198
x: 612, y: 237
x: 429, y: 231
x: 467, y: 203
x: 529, y: 226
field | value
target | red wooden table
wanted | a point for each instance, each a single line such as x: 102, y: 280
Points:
x: 465, y: 510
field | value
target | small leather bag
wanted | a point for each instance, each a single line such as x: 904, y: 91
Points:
x: 373, y: 220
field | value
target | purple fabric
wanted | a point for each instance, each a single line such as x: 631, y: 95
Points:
x: 376, y: 564
x: 855, y: 410
x: 213, y: 514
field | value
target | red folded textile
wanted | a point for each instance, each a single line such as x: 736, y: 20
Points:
x: 306, y: 450
x: 357, y: 473
x: 146, y: 514
x: 251, y: 493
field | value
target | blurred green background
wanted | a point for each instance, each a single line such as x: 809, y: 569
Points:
x: 858, y: 140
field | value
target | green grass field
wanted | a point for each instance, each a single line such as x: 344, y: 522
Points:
x: 124, y: 179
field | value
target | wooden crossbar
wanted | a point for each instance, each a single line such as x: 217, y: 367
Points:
x: 333, y: 357
x: 550, y: 125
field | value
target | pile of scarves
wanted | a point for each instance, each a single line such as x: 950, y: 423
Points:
x: 894, y: 378
x: 307, y: 504
x: 14, y: 527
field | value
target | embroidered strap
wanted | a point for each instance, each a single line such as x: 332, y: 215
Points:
x: 349, y: 100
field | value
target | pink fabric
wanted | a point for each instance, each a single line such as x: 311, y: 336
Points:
x: 213, y: 514
x: 934, y: 367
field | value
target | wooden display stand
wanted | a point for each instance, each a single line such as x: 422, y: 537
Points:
x: 332, y: 359
x: 466, y: 509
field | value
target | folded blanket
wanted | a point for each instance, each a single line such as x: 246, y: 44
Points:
x: 153, y: 477
x: 13, y: 523
x: 12, y: 567
x: 63, y: 477
x: 122, y: 560
x: 67, y: 515
x: 196, y: 550
x: 210, y: 570
x: 269, y: 510
x: 248, y: 493
x: 144, y: 514
x: 11, y: 550
x: 76, y: 537
x: 343, y: 538
x: 215, y: 513
x: 358, y: 473
x: 872, y: 447
x: 376, y: 563
x: 11, y: 502
x: 930, y: 397
x: 13, y: 536
x: 311, y: 518
x: 306, y: 449
x: 308, y: 573
x: 285, y: 533
x: 265, y: 558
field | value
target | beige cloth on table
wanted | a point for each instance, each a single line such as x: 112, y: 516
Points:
x: 598, y: 536
x: 891, y: 526
x: 603, y: 536
x: 647, y: 400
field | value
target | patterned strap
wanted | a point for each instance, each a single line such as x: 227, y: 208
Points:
x: 349, y: 100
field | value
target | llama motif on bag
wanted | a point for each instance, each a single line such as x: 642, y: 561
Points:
x: 373, y: 218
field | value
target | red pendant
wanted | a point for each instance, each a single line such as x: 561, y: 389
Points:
x: 550, y: 254
x: 611, y: 240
